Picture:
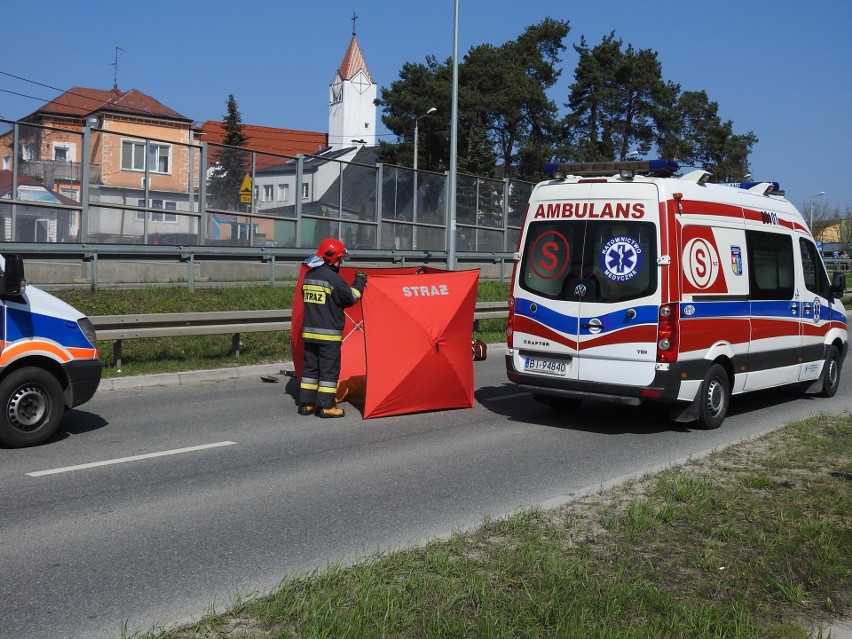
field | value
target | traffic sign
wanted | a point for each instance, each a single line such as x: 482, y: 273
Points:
x: 245, y: 190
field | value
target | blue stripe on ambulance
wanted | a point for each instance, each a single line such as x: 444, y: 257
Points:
x: 570, y: 324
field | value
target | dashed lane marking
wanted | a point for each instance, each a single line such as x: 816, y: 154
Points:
x: 122, y: 460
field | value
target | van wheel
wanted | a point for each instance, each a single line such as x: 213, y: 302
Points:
x: 32, y: 406
x: 714, y: 397
x: 831, y: 372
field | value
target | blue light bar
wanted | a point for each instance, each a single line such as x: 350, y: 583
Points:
x: 663, y: 166
x: 748, y: 185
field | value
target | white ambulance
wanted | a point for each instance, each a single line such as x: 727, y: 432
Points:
x: 632, y: 284
x: 48, y: 359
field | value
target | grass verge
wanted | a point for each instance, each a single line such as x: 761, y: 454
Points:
x: 754, y: 541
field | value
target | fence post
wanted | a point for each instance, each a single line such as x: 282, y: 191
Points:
x: 13, y: 222
x: 85, y: 180
x: 379, y: 181
x: 300, y: 167
x: 202, y: 197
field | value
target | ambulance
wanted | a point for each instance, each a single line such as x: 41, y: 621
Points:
x: 48, y: 359
x: 632, y: 284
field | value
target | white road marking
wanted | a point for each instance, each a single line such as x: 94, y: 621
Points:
x: 122, y: 460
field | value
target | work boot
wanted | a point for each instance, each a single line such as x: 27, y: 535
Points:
x: 327, y: 413
x: 306, y: 409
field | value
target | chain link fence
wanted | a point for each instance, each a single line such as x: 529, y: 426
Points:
x: 149, y: 191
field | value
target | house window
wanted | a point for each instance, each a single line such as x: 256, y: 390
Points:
x: 268, y: 191
x: 156, y: 216
x: 64, y: 151
x: 133, y: 156
x: 283, y: 192
x: 306, y: 190
x: 29, y: 151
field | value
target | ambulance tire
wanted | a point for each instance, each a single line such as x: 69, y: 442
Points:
x: 831, y: 372
x: 32, y: 405
x: 715, y: 398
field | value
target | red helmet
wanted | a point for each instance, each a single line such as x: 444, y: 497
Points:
x: 331, y: 250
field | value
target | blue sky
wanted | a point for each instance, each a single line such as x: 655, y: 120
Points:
x: 781, y: 69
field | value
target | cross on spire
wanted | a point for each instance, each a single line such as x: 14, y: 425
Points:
x: 354, y: 18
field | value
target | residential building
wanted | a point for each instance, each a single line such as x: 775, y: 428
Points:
x: 140, y: 157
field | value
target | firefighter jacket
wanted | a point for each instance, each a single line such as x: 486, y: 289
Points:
x: 325, y: 295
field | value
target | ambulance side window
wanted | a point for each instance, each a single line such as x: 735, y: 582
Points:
x: 816, y: 279
x: 771, y: 259
x: 551, y: 256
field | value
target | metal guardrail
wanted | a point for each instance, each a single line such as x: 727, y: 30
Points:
x: 190, y: 255
x: 117, y: 328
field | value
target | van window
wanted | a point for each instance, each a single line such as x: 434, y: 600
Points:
x: 816, y: 279
x: 771, y: 259
x: 609, y: 260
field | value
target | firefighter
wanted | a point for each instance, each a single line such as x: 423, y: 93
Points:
x: 325, y: 295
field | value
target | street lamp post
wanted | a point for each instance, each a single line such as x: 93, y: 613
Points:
x: 811, y: 209
x: 416, y: 135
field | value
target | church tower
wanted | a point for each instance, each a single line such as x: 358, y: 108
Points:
x: 351, y: 101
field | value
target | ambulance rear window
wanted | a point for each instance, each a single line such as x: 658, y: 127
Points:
x: 590, y: 261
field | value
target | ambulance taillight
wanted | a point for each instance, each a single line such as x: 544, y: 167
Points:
x: 667, y: 337
x: 510, y: 321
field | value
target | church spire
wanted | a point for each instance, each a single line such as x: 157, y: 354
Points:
x: 353, y: 62
x: 352, y: 95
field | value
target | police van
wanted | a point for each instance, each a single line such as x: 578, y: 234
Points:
x: 634, y: 284
x: 48, y: 359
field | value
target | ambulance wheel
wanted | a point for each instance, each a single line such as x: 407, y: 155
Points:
x: 831, y: 372
x: 714, y: 398
x: 32, y: 407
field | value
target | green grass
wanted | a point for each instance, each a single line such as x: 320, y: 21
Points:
x: 700, y: 550
x: 173, y: 354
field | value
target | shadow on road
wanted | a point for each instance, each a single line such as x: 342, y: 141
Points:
x: 77, y: 422
x: 615, y: 419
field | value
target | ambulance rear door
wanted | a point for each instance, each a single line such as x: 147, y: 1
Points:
x: 618, y: 312
x: 589, y: 278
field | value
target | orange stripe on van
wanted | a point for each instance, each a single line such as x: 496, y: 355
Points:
x: 23, y: 348
x: 84, y: 353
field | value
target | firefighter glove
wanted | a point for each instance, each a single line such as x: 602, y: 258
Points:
x: 361, y: 275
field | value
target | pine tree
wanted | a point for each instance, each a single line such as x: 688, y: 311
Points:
x: 231, y: 162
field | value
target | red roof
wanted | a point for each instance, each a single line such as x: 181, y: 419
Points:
x: 79, y: 102
x: 27, y: 180
x: 265, y: 139
x: 353, y: 62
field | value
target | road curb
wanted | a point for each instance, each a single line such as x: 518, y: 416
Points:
x: 194, y: 377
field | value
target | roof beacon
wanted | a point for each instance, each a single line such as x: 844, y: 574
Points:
x: 651, y: 168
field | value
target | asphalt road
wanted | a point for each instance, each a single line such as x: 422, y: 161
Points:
x: 158, y: 502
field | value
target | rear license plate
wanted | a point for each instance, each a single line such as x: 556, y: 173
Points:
x: 558, y: 367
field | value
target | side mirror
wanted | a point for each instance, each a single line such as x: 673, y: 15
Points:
x: 838, y: 283
x: 12, y: 281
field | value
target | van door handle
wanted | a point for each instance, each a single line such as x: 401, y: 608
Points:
x: 795, y: 309
x: 808, y: 308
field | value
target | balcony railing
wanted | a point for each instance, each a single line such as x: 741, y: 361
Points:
x: 57, y: 171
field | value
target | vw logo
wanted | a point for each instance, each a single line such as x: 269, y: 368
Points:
x: 580, y: 290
